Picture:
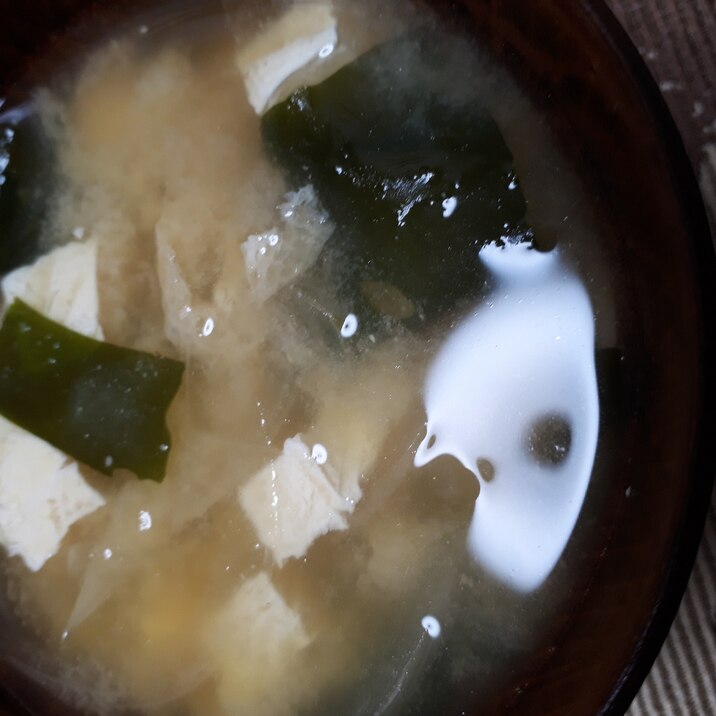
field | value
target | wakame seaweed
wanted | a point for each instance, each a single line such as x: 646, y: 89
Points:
x: 412, y: 169
x: 102, y: 404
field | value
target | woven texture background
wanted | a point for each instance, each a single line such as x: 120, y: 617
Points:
x: 677, y: 39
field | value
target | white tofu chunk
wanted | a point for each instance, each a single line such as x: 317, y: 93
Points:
x: 279, y: 256
x: 61, y: 285
x: 303, y: 34
x: 42, y: 494
x: 253, y: 642
x: 294, y: 500
x: 257, y: 621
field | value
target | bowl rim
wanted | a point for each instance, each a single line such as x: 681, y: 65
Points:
x: 702, y: 472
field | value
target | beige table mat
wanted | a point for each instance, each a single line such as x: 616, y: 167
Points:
x: 677, y: 39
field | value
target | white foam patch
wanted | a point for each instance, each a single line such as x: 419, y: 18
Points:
x: 526, y: 352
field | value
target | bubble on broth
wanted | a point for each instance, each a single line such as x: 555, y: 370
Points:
x: 431, y: 626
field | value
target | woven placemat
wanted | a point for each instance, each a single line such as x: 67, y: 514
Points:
x: 677, y: 39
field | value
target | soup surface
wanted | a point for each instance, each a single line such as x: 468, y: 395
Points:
x: 367, y: 266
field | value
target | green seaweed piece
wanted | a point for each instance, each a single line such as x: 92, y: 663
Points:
x: 102, y: 404
x: 411, y: 167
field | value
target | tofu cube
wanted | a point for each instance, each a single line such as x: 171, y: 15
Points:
x: 61, y: 285
x: 42, y: 494
x: 252, y: 642
x: 297, y: 38
x: 294, y: 500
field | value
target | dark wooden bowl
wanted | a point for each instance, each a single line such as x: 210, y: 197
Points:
x: 580, y: 69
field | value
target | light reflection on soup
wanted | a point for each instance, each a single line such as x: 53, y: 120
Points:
x: 293, y: 559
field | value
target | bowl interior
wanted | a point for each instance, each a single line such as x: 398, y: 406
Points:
x: 639, y: 534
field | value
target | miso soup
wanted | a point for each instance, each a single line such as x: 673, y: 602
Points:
x: 298, y: 398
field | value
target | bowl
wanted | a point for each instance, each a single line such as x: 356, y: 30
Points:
x: 655, y: 464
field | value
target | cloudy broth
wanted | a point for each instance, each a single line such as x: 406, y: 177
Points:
x: 310, y: 549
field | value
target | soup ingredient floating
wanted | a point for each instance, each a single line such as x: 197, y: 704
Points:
x: 42, y: 492
x: 102, y: 404
x: 301, y: 36
x: 255, y: 639
x: 424, y: 188
x: 512, y: 395
x: 294, y: 500
x: 41, y: 496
